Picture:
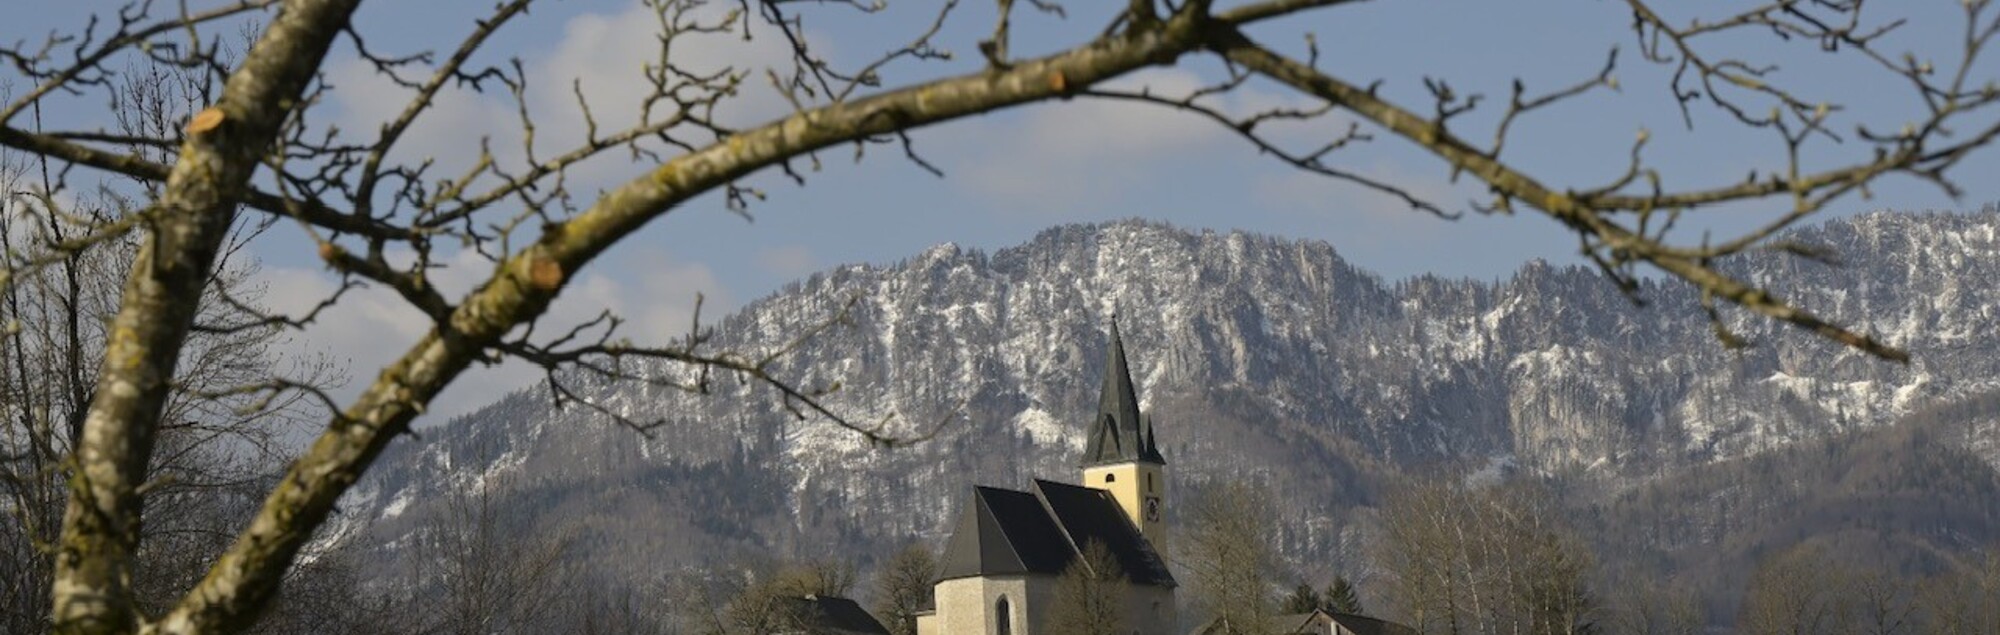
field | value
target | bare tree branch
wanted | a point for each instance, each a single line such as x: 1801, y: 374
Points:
x: 1582, y: 216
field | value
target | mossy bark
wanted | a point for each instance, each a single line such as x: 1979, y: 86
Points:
x: 92, y: 591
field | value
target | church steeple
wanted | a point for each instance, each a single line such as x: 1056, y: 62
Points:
x: 1119, y: 434
x: 1123, y: 456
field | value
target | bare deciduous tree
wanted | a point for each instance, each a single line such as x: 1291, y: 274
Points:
x: 379, y: 217
x: 216, y: 448
x: 477, y: 573
x: 770, y: 604
x: 1798, y: 591
x: 903, y: 587
x: 1225, y: 546
x: 1884, y: 603
x: 1646, y: 603
x: 1960, y: 601
x: 325, y: 596
x: 1091, y: 596
x: 1485, y: 561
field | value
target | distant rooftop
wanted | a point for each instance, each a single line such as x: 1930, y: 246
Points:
x: 824, y: 615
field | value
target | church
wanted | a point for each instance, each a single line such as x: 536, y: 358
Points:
x: 999, y: 569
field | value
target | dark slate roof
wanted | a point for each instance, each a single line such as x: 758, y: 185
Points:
x: 1316, y: 622
x: 1088, y: 514
x: 1288, y: 624
x: 1003, y: 532
x: 1119, y: 434
x: 1364, y: 625
x: 821, y: 615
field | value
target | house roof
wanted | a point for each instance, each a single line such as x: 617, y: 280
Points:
x: 823, y: 615
x: 1119, y: 434
x: 1364, y: 625
x: 1315, y: 622
x: 1006, y: 532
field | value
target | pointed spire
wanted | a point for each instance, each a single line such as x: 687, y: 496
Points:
x: 1152, y: 450
x: 1118, y: 434
x: 1118, y: 399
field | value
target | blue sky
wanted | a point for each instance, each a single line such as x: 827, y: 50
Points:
x: 1011, y: 174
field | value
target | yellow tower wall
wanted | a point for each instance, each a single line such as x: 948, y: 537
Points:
x: 1131, y: 484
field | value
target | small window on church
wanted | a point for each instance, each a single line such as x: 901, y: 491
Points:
x: 1003, y: 619
x: 1149, y: 483
x: 1110, y: 478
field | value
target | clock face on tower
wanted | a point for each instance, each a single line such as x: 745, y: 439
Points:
x: 1152, y: 509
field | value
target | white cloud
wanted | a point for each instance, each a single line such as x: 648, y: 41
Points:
x: 605, y: 56
x: 369, y: 328
x: 656, y: 297
x: 609, y: 55
x: 1080, y: 154
x: 449, y: 131
x: 1085, y: 153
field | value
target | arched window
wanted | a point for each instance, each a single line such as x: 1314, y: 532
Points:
x: 1110, y: 478
x: 1149, y: 483
x: 1003, y: 619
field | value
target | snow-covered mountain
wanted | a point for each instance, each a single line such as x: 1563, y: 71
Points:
x: 1258, y: 357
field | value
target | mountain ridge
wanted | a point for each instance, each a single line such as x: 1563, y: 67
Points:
x: 1259, y: 357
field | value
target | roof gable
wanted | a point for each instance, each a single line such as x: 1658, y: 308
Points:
x: 822, y: 615
x: 1004, y: 532
x: 1086, y: 514
x: 1316, y: 622
x: 1364, y: 625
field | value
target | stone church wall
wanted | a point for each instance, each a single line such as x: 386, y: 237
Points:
x: 966, y: 606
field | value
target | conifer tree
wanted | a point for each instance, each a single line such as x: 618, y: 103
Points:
x: 1304, y: 599
x: 1341, y: 598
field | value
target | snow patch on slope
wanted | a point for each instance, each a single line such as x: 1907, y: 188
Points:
x: 1045, y: 430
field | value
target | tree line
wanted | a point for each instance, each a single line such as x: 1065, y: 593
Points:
x: 1449, y: 558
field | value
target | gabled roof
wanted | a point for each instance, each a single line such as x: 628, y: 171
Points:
x: 1119, y: 434
x: 1088, y: 514
x: 822, y: 615
x: 1007, y: 532
x: 1316, y: 622
x: 1364, y: 625
x: 1002, y: 531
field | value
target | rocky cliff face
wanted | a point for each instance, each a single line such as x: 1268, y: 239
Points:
x: 1258, y: 357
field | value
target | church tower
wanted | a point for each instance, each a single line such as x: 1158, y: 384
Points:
x: 1002, y: 567
x: 1121, y: 455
